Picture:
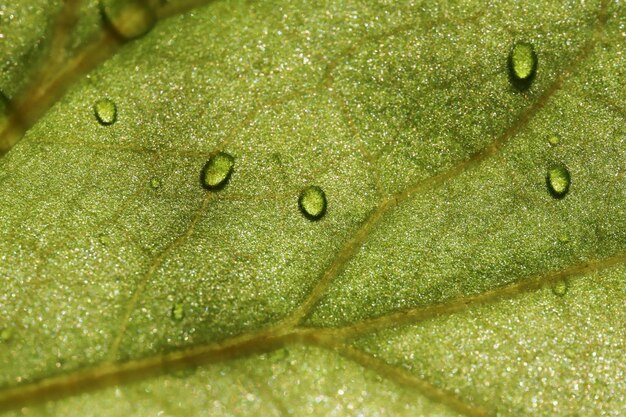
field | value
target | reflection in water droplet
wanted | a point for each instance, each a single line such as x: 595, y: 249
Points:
x: 178, y: 311
x: 6, y: 334
x: 312, y: 203
x: 522, y: 64
x: 554, y: 140
x: 106, y: 111
x: 560, y: 288
x: 217, y: 171
x: 155, y: 183
x: 558, y: 180
x: 129, y: 19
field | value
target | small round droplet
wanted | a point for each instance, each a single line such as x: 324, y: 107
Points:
x: 6, y: 334
x: 155, y: 183
x: 554, y: 140
x: 312, y: 202
x: 105, y: 239
x: 560, y: 288
x: 129, y: 19
x: 183, y: 373
x: 106, y: 111
x: 522, y: 64
x: 178, y: 311
x: 217, y: 171
x: 563, y: 238
x: 558, y: 180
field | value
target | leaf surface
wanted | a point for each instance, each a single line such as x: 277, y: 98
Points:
x: 443, y: 279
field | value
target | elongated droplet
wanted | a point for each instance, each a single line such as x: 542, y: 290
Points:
x: 217, y: 171
x: 4, y: 103
x: 129, y: 19
x: 560, y: 288
x: 178, y: 311
x: 558, y: 180
x: 4, y: 109
x: 106, y: 111
x: 312, y: 202
x: 522, y: 64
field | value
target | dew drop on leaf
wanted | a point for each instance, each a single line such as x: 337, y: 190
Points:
x: 570, y: 353
x: 6, y: 334
x: 4, y: 108
x: 155, y: 183
x: 563, y: 238
x: 104, y: 239
x: 178, y: 311
x: 217, y: 170
x: 129, y: 19
x: 522, y: 64
x: 4, y: 102
x: 554, y: 140
x: 184, y: 373
x: 312, y: 202
x: 560, y: 288
x: 558, y: 180
x: 105, y: 111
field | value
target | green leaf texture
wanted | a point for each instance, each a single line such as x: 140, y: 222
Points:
x: 443, y: 277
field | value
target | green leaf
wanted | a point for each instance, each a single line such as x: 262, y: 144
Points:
x: 467, y: 251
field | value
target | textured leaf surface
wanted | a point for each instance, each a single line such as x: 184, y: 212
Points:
x: 443, y: 279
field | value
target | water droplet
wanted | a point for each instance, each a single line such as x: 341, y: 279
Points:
x: 560, y: 288
x: 558, y: 180
x: 183, y: 373
x: 104, y: 239
x: 129, y: 19
x: 522, y: 64
x: 4, y: 103
x: 178, y: 311
x: 155, y: 183
x: 6, y: 334
x: 217, y: 171
x: 4, y: 109
x: 279, y: 355
x: 554, y: 140
x: 312, y: 202
x: 106, y: 111
x: 563, y: 238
